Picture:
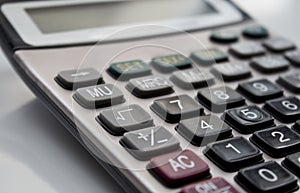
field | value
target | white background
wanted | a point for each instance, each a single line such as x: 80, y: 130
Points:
x: 37, y: 155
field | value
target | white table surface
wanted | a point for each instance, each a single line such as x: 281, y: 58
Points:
x: 37, y: 155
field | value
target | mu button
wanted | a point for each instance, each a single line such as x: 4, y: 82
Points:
x: 178, y: 168
x: 99, y: 96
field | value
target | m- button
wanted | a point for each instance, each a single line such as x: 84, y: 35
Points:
x: 99, y: 96
x: 178, y: 168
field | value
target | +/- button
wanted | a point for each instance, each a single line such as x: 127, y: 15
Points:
x: 178, y: 168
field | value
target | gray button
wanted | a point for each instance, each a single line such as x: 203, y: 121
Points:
x: 150, y: 86
x: 150, y: 142
x: 231, y: 71
x: 99, y: 96
x: 72, y: 79
x: 120, y: 120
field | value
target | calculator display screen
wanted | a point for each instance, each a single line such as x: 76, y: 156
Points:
x: 109, y: 13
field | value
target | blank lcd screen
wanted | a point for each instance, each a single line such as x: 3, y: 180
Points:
x: 108, y: 13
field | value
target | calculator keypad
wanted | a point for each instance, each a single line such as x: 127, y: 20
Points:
x: 201, y: 99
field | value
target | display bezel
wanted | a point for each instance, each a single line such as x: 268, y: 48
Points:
x: 30, y: 33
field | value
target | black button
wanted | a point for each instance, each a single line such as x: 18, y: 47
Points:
x: 293, y: 57
x: 255, y: 31
x: 259, y: 91
x: 277, y: 141
x: 173, y: 109
x: 231, y: 71
x: 202, y: 130
x: 247, y: 50
x: 292, y: 163
x: 296, y: 127
x: 286, y: 110
x: 171, y: 62
x: 149, y: 142
x: 209, y: 56
x: 267, y: 177
x: 249, y: 119
x: 191, y: 79
x: 73, y: 79
x: 119, y: 120
x: 149, y: 86
x: 270, y: 64
x: 99, y: 96
x: 290, y: 81
x: 233, y: 154
x: 129, y: 69
x: 220, y: 98
x: 224, y: 36
x: 279, y: 44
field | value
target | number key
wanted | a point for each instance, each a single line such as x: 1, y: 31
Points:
x: 286, y: 110
x: 233, y: 154
x: 173, y: 109
x: 292, y: 163
x: 277, y: 141
x: 202, y: 130
x: 267, y: 177
x: 249, y: 119
x: 220, y: 98
x: 259, y: 91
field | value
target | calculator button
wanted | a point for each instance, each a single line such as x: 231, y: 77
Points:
x: 224, y: 36
x: 171, y: 62
x: 247, y: 50
x: 286, y: 110
x: 290, y: 81
x: 292, y: 163
x: 117, y: 121
x: 214, y: 185
x: 209, y: 56
x: 279, y: 44
x: 150, y: 86
x: 150, y: 142
x: 277, y: 141
x: 129, y: 69
x: 267, y: 177
x: 73, y: 79
x: 191, y: 79
x: 296, y: 127
x: 293, y: 57
x: 259, y: 91
x: 270, y: 64
x: 233, y: 154
x: 249, y: 119
x: 178, y: 168
x: 255, y: 31
x: 202, y: 130
x: 99, y: 96
x: 231, y: 71
x: 220, y: 98
x: 174, y: 109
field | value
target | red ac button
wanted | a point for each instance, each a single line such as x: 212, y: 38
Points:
x: 178, y: 168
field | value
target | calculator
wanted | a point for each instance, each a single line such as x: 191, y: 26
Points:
x: 168, y: 96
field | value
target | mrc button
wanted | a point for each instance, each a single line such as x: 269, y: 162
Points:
x: 178, y: 168
x: 99, y: 96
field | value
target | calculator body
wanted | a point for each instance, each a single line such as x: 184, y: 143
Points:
x: 38, y: 58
